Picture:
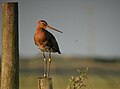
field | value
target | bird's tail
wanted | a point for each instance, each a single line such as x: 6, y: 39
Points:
x: 59, y: 52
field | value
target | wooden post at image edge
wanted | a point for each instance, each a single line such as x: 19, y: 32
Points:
x: 45, y: 83
x: 10, y: 46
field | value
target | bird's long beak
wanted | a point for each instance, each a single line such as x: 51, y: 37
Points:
x: 54, y: 29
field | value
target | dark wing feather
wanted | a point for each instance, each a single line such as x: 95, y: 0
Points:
x: 52, y: 42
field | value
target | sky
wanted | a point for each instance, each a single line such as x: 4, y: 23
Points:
x: 90, y: 27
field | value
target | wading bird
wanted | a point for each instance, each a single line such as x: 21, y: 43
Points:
x: 46, y: 42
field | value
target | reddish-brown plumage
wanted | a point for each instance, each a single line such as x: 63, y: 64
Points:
x: 45, y: 41
x: 40, y: 38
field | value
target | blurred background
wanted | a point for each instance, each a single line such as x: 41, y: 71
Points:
x: 90, y: 38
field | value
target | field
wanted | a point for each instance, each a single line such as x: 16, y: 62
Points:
x: 102, y: 74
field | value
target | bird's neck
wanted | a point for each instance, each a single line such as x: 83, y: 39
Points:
x: 39, y: 30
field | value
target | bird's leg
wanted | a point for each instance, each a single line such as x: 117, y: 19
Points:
x: 44, y: 66
x: 49, y: 63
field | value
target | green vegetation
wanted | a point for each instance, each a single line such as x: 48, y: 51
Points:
x: 78, y: 81
x: 101, y: 75
x: 61, y: 81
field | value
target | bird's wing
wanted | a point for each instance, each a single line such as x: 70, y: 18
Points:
x: 52, y: 42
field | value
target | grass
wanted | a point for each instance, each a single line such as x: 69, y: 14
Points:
x: 101, y: 75
x: 61, y: 81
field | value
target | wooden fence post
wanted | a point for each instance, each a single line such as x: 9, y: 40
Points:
x: 45, y: 83
x: 10, y: 50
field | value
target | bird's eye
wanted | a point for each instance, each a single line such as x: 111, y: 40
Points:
x: 45, y: 24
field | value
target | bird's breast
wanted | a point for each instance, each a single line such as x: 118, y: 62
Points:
x: 40, y: 37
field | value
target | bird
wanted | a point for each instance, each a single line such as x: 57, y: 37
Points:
x: 46, y: 42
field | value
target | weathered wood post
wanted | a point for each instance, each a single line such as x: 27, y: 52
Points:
x: 10, y: 50
x: 45, y: 83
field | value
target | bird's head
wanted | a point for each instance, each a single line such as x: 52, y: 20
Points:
x: 43, y: 24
